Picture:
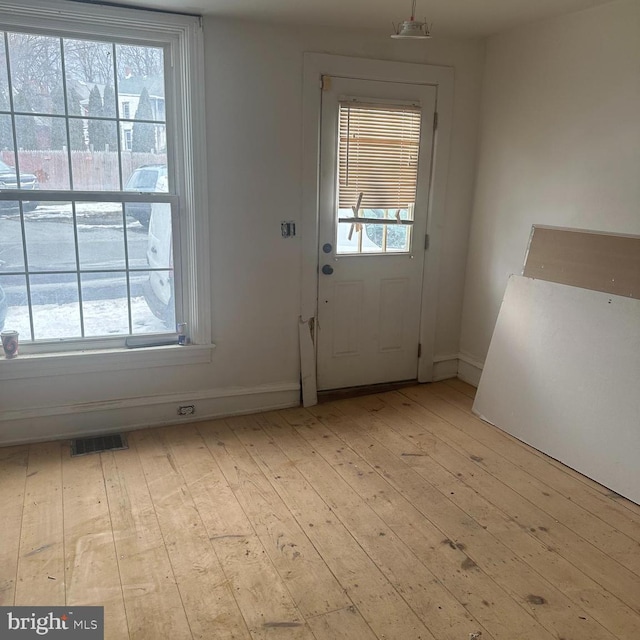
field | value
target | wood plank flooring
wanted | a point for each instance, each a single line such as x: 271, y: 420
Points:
x: 395, y: 516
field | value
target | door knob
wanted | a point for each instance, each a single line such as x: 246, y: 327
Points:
x: 327, y: 269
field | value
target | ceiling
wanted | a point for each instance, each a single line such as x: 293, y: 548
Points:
x: 450, y: 18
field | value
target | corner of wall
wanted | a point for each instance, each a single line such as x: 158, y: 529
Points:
x: 469, y: 369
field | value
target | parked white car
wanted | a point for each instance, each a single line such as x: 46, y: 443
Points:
x: 159, y: 289
x: 145, y: 179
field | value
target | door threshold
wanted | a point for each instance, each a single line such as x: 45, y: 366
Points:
x: 365, y: 390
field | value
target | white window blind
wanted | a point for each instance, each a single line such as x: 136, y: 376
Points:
x: 378, y: 155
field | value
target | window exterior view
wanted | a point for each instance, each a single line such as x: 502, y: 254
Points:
x: 83, y: 163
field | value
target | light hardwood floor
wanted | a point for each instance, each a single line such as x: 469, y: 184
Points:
x: 396, y: 516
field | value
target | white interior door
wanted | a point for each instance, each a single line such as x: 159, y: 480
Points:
x: 370, y: 273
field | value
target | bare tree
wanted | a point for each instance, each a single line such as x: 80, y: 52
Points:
x: 141, y: 62
x: 88, y: 61
x: 36, y: 67
x: 36, y: 61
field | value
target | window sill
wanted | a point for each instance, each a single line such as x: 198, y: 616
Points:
x: 108, y: 360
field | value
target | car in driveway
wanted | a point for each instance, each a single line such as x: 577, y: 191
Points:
x: 9, y: 180
x: 147, y: 178
x: 159, y: 289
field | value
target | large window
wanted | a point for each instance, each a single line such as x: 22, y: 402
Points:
x: 97, y: 214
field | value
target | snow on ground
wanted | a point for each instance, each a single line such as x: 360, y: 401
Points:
x: 88, y: 214
x: 64, y: 209
x: 101, y: 318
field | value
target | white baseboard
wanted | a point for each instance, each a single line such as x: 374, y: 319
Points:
x: 445, y: 367
x: 71, y: 421
x: 469, y: 370
x: 460, y: 366
x: 84, y: 419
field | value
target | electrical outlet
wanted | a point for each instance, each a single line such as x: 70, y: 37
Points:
x: 186, y: 409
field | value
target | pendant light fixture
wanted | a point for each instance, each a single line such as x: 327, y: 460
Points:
x: 412, y: 29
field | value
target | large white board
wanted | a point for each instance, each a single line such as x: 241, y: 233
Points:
x: 563, y: 375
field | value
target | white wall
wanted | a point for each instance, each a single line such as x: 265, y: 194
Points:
x: 254, y: 111
x: 559, y: 145
x: 256, y: 80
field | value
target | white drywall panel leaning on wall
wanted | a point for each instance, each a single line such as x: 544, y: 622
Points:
x: 563, y: 375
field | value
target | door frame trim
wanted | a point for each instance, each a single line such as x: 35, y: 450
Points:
x: 315, y: 66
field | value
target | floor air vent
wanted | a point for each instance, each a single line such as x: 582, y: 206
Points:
x: 83, y: 446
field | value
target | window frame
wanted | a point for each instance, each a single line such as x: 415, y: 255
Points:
x: 181, y: 38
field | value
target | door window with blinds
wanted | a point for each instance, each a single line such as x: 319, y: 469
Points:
x: 378, y: 150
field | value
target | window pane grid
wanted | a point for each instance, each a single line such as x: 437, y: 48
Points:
x: 167, y: 44
x: 29, y: 272
x: 145, y: 129
x: 64, y: 140
x: 375, y: 231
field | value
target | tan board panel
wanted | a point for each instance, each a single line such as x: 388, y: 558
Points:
x: 587, y: 259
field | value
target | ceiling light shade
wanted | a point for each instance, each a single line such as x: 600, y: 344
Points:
x: 412, y: 29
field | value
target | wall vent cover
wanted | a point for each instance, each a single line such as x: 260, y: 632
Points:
x: 96, y: 444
